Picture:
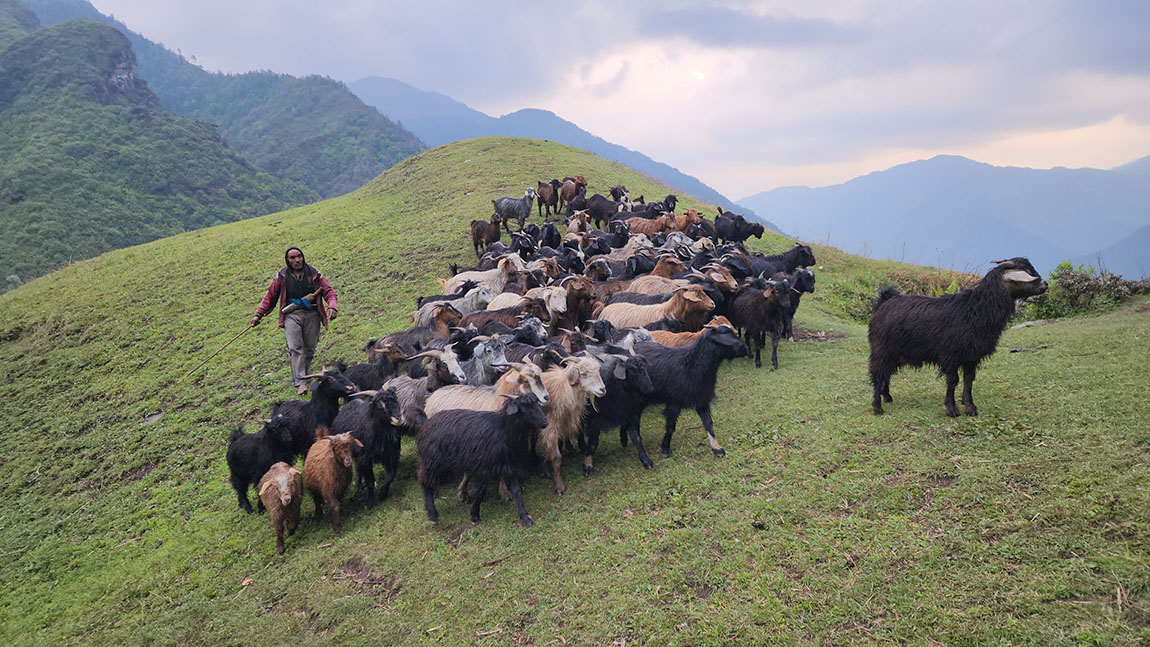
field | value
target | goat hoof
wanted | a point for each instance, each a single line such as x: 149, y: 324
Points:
x: 527, y: 521
x: 720, y: 452
x: 587, y: 469
x: 887, y: 398
x: 972, y: 411
x: 647, y: 464
x: 952, y: 413
x: 877, y: 410
x: 666, y: 451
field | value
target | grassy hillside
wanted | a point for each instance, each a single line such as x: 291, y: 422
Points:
x: 823, y: 525
x: 89, y: 161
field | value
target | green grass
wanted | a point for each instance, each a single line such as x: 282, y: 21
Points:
x: 1027, y: 525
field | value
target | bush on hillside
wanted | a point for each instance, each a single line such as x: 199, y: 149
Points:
x: 854, y: 297
x: 1080, y: 290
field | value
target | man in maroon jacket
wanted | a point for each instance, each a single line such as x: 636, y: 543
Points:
x: 306, y: 302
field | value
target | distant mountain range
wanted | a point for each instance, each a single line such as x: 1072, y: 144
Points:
x: 438, y: 119
x: 311, y: 130
x: 89, y: 159
x: 954, y: 212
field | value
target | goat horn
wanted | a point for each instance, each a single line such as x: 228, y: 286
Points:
x: 371, y: 394
x: 1020, y: 276
x: 311, y: 376
x: 999, y: 262
x: 426, y: 353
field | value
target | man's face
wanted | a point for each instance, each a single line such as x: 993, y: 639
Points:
x: 295, y: 260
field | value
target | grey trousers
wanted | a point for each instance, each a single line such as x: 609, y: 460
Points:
x: 301, y: 328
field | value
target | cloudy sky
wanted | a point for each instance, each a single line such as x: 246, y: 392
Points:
x: 747, y: 96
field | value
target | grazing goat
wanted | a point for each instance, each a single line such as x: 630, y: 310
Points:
x: 951, y: 331
x: 484, y: 233
x: 650, y: 227
x: 548, y: 194
x: 602, y: 209
x: 569, y: 387
x: 281, y: 492
x: 307, y: 417
x: 375, y: 423
x: 251, y: 455
x: 684, y: 302
x: 483, y: 446
x: 329, y: 470
x: 514, y: 208
x: 684, y: 378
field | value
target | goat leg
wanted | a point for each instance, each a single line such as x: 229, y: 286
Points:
x: 461, y: 492
x: 968, y: 390
x: 391, y: 466
x: 318, y: 506
x: 951, y: 382
x: 708, y: 424
x: 365, y: 485
x: 774, y: 350
x: 478, y: 493
x: 517, y: 494
x: 336, y: 520
x: 242, y: 495
x: 429, y: 504
x: 671, y: 413
x: 557, y: 471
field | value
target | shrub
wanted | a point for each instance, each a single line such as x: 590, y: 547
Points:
x: 1079, y: 290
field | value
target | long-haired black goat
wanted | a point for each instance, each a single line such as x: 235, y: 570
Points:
x: 307, y: 416
x: 684, y: 378
x: 251, y: 455
x: 375, y: 423
x: 951, y: 331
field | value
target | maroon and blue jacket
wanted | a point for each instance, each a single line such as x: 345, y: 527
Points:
x: 277, y: 294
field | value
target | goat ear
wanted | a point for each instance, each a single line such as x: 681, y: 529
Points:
x: 269, y: 484
x: 691, y: 296
x: 512, y: 407
x: 572, y: 375
x: 620, y: 371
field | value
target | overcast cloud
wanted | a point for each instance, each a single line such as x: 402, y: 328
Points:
x: 747, y: 96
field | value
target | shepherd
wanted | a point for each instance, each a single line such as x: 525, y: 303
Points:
x: 306, y: 301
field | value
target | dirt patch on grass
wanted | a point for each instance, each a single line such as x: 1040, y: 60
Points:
x: 802, y: 334
x: 365, y: 581
x: 1143, y: 309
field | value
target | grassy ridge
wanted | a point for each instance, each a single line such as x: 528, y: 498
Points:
x: 1026, y: 525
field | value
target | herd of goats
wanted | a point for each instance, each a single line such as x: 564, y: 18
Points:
x: 570, y: 329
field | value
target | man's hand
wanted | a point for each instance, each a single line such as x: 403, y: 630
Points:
x: 255, y: 321
x: 332, y: 313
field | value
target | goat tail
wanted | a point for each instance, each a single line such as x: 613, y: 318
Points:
x: 237, y: 433
x: 322, y: 432
x: 885, y: 294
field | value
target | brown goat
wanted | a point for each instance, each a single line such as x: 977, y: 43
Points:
x: 509, y: 316
x: 570, y: 188
x: 676, y: 339
x: 484, y: 233
x: 684, y: 302
x: 329, y: 470
x: 668, y: 266
x: 547, y: 195
x: 412, y: 339
x: 653, y: 226
x: 684, y: 221
x: 580, y: 302
x: 281, y: 492
x: 577, y: 223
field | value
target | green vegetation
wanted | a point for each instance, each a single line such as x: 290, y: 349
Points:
x: 1027, y: 525
x: 1080, y: 290
x: 310, y: 130
x: 89, y: 161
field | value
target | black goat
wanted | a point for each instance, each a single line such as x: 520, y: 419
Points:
x: 549, y: 236
x: 684, y: 378
x: 760, y: 307
x: 628, y: 384
x: 514, y: 208
x: 484, y: 446
x: 602, y: 209
x: 804, y: 282
x: 375, y: 423
x: 798, y: 256
x: 251, y: 455
x: 732, y: 227
x: 618, y: 192
x: 305, y: 417
x: 951, y: 331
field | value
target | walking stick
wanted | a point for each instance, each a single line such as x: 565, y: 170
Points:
x: 213, y: 355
